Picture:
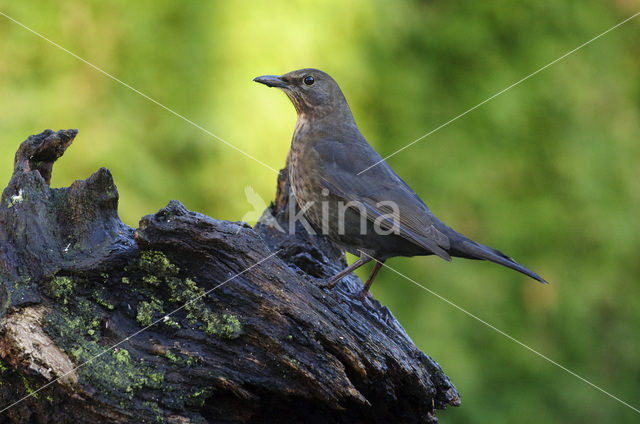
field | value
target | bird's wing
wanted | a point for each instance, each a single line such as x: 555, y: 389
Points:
x: 337, y: 165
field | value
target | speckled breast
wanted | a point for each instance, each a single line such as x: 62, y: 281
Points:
x: 304, y: 189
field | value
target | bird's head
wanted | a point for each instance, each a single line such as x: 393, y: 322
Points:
x: 312, y: 92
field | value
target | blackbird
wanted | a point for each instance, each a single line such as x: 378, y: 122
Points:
x: 374, y: 215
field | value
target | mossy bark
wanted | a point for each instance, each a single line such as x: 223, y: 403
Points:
x: 252, y: 339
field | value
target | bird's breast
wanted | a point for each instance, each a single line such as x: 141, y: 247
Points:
x: 302, y: 177
x: 299, y: 177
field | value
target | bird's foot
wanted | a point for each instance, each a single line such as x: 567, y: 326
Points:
x: 331, y: 283
x: 339, y: 276
x: 327, y: 285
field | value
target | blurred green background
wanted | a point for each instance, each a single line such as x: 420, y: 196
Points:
x: 547, y: 172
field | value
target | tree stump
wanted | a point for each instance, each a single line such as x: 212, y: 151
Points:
x: 186, y: 319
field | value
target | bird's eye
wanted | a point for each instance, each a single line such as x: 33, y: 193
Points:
x: 309, y: 80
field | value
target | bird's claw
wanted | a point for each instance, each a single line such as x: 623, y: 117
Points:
x: 326, y: 285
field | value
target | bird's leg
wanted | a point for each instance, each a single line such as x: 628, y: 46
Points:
x: 357, y: 264
x: 369, y: 282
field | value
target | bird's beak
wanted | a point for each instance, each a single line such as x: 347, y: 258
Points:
x: 271, y: 81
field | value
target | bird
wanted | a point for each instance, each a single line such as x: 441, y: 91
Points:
x: 374, y: 215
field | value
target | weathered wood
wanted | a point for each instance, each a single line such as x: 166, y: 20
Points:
x: 253, y: 338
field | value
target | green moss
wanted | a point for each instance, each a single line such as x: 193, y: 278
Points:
x: 199, y: 397
x: 171, y: 356
x: 198, y: 393
x: 151, y: 280
x: 227, y: 325
x: 157, y: 378
x: 117, y: 373
x: 198, y: 313
x: 169, y: 322
x: 76, y: 326
x: 95, y: 322
x: 122, y: 355
x: 157, y: 268
x: 65, y: 288
x: 179, y: 359
x: 99, y: 297
x: 61, y: 288
x: 27, y: 386
x: 156, y: 263
x: 153, y: 406
x: 89, y: 315
x: 147, y: 310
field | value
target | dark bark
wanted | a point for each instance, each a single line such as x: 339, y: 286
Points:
x: 265, y: 346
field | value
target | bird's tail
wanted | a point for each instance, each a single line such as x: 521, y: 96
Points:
x: 471, y: 249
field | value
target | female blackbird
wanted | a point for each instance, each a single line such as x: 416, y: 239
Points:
x: 374, y: 214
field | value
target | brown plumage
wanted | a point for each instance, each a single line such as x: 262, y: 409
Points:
x: 327, y: 153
